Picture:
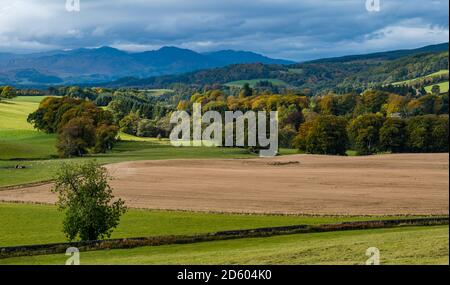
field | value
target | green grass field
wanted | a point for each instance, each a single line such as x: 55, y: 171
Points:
x: 36, y: 150
x: 252, y: 82
x: 158, y: 92
x: 25, y: 224
x: 405, y: 82
x: 18, y: 139
x: 443, y: 86
x: 409, y: 245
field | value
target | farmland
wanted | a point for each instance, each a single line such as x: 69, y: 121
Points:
x: 397, y: 246
x: 410, y: 81
x: 36, y: 150
x: 443, y: 86
x: 412, y: 184
x: 25, y: 224
x: 148, y: 172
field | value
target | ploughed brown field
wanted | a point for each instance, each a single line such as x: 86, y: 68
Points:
x: 295, y: 184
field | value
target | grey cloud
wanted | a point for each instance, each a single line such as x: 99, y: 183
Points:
x: 291, y: 29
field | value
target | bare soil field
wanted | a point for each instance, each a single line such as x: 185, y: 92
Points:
x: 295, y: 184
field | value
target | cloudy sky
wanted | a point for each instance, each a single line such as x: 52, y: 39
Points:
x: 290, y: 29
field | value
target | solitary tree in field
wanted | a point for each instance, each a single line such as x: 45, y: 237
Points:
x: 7, y: 92
x: 86, y: 198
x: 436, y: 90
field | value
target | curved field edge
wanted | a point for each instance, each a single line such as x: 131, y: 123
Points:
x: 21, y: 145
x: 409, y: 245
x: 28, y: 224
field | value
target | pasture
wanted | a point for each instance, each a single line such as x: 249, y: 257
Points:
x: 25, y: 224
x: 397, y: 246
x: 36, y: 150
x: 405, y: 82
x: 149, y: 174
x: 443, y: 87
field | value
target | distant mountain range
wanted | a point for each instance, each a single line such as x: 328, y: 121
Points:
x: 168, y: 65
x: 107, y: 64
x: 332, y: 74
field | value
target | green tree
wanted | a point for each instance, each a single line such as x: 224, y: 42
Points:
x: 373, y: 100
x: 246, y: 91
x: 364, y: 133
x: 427, y: 133
x: 7, y: 92
x: 105, y: 137
x: 324, y: 134
x: 129, y: 124
x: 418, y: 132
x: 327, y: 105
x: 393, y: 135
x: 81, y: 125
x: 76, y: 137
x: 436, y: 90
x: 439, y: 134
x: 286, y: 136
x: 86, y: 197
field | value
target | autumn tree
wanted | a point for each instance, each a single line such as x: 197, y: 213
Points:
x: 373, y: 100
x: 364, y: 133
x: 7, y: 92
x: 427, y: 133
x: 76, y: 137
x: 393, y: 135
x: 325, y: 134
x: 129, y: 124
x: 82, y: 127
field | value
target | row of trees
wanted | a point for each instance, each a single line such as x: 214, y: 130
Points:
x: 82, y: 127
x: 372, y: 133
x: 135, y: 125
x: 371, y: 122
x: 373, y: 101
x: 136, y: 112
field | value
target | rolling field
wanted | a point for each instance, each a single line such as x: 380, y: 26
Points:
x: 18, y: 139
x: 26, y: 224
x: 149, y: 173
x: 36, y: 150
x: 159, y: 92
x: 296, y: 184
x: 438, y: 73
x: 443, y: 87
x: 397, y: 246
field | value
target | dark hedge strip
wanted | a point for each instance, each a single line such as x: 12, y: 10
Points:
x: 44, y: 249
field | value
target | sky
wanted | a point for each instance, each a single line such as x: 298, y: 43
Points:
x: 289, y: 29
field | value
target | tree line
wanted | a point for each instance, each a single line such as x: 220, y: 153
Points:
x: 371, y: 122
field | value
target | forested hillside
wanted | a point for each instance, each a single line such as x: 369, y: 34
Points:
x: 353, y: 73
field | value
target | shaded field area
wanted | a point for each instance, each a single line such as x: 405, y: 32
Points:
x: 396, y: 245
x: 415, y: 184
